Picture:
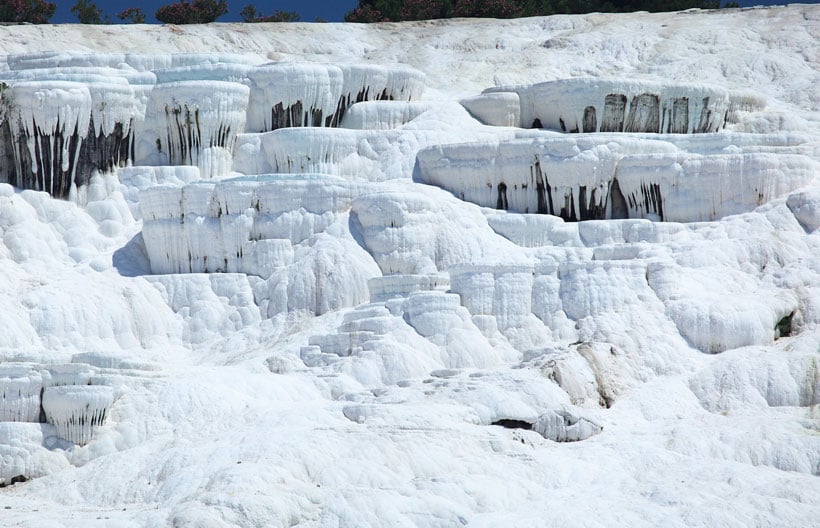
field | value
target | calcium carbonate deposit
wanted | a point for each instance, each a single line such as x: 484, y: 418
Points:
x: 558, y: 271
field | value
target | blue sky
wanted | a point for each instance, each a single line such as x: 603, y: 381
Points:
x: 330, y: 10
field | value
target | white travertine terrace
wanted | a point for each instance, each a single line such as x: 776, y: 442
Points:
x: 381, y: 315
x: 77, y: 410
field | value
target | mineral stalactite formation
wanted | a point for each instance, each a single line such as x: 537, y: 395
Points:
x: 48, y: 121
x: 631, y: 106
x: 306, y: 286
x: 287, y: 95
x: 104, y: 152
x: 66, y: 117
x: 602, y: 176
x: 20, y: 388
x: 195, y: 123
x: 60, y: 395
x: 61, y: 128
x: 76, y: 411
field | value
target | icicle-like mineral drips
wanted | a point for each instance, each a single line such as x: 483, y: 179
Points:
x: 48, y: 141
x: 48, y: 121
x: 20, y: 388
x: 594, y: 177
x: 193, y: 123
x: 364, y: 82
x: 110, y: 140
x: 238, y: 225
x: 71, y: 115
x: 293, y: 95
x: 313, y: 95
x: 626, y: 105
x: 77, y: 410
x: 67, y: 374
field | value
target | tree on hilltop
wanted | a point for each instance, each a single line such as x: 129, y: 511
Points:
x: 32, y: 11
x: 196, y: 12
x: 249, y: 14
x: 87, y: 12
x: 365, y: 14
x: 401, y: 10
x: 132, y: 15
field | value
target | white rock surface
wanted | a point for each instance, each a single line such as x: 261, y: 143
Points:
x: 627, y: 105
x: 806, y: 208
x: 23, y: 452
x: 76, y: 411
x: 495, y: 108
x: 348, y: 371
x: 20, y: 387
x: 293, y: 94
x: 193, y: 123
x: 593, y: 178
x: 565, y: 425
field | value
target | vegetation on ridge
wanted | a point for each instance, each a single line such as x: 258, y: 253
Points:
x: 196, y: 12
x: 206, y: 11
x: 401, y: 10
x: 32, y: 11
x: 249, y: 14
